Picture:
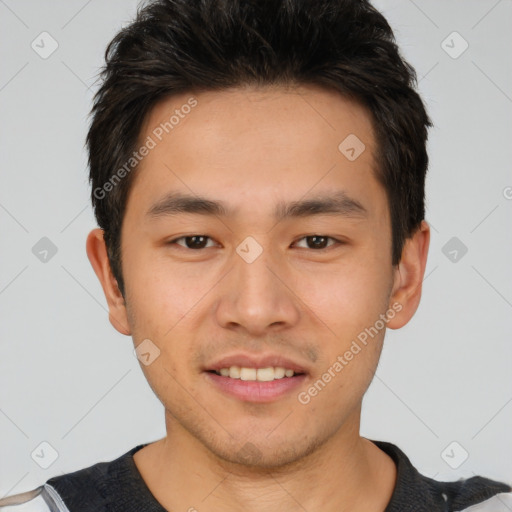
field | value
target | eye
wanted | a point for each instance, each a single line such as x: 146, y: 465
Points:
x: 191, y: 241
x: 318, y: 241
x: 197, y: 242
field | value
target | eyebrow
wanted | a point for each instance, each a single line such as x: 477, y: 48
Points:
x: 337, y: 203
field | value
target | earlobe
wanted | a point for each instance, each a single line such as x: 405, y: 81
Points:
x: 408, y: 277
x: 97, y: 254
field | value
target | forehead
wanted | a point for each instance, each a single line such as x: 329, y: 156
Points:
x: 320, y: 115
x: 257, y: 145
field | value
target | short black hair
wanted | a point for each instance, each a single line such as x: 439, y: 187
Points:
x: 175, y: 46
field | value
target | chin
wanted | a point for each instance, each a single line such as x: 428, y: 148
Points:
x: 266, y: 455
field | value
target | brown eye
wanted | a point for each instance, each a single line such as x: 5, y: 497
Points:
x: 193, y: 242
x: 318, y: 241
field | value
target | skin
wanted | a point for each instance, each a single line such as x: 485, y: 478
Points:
x: 253, y: 148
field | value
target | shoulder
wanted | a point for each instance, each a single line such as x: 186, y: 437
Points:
x: 42, y: 499
x: 498, y: 503
x: 84, y: 489
x: 475, y: 494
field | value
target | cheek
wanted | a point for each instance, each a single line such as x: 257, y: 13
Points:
x: 163, y: 293
x: 162, y: 306
x: 168, y: 309
x: 346, y: 297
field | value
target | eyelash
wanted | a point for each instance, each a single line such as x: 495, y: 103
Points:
x: 339, y: 242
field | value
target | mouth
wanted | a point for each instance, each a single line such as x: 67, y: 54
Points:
x: 267, y: 374
x: 250, y: 378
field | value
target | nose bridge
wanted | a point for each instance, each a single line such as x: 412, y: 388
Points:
x: 256, y: 297
x: 252, y: 269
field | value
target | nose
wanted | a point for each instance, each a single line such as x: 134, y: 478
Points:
x: 257, y: 296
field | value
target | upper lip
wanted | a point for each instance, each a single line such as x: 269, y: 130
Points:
x: 256, y: 361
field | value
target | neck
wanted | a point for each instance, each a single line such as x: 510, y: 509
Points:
x: 347, y: 472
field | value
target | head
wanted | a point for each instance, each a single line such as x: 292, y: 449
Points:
x: 298, y: 126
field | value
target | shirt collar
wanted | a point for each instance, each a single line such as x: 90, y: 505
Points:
x: 120, y: 486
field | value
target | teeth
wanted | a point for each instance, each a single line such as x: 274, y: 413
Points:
x: 234, y: 372
x: 265, y: 374
x: 279, y: 372
x: 260, y: 374
x: 248, y: 373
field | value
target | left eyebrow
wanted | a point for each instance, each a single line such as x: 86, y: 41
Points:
x: 337, y: 203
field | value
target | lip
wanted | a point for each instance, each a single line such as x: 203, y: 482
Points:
x: 255, y: 391
x: 256, y: 361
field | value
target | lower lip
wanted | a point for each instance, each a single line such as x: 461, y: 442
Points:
x: 253, y: 390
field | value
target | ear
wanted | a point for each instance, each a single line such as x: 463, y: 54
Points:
x: 97, y: 254
x: 408, y: 276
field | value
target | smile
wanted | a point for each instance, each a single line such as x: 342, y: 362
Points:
x: 256, y: 374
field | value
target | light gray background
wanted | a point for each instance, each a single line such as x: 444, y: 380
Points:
x: 69, y: 379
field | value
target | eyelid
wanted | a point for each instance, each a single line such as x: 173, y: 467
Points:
x: 174, y: 240
x: 303, y: 237
x: 337, y: 242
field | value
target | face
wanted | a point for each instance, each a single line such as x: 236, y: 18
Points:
x: 286, y: 265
